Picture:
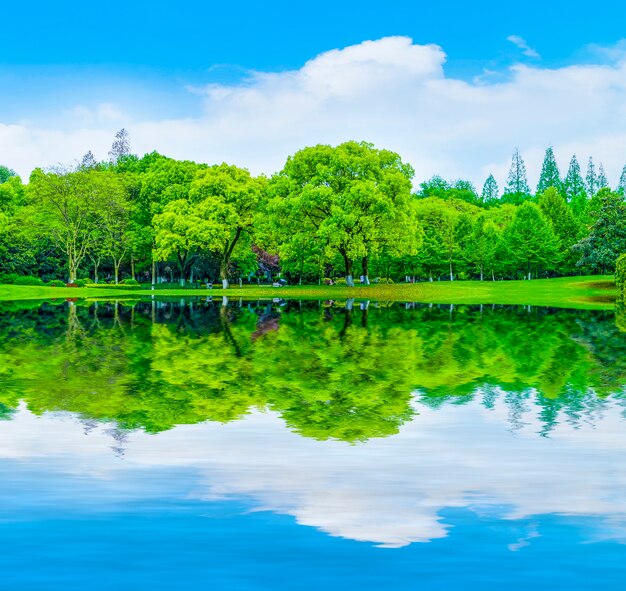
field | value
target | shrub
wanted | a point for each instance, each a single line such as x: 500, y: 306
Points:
x: 79, y: 283
x: 28, y: 280
x: 385, y: 281
x: 620, y: 274
x: 9, y: 278
x: 129, y: 282
x: 56, y: 283
x: 340, y: 281
x: 87, y: 280
x: 111, y: 286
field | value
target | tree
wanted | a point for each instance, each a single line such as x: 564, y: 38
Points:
x: 549, y: 176
x: 88, y: 161
x: 120, y: 147
x: 621, y: 188
x: 517, y: 189
x: 6, y: 174
x: 607, y: 238
x: 353, y: 199
x: 482, y: 245
x: 230, y: 199
x: 114, y: 220
x: 68, y: 206
x: 564, y: 224
x: 603, y: 182
x: 531, y: 240
x: 490, y: 192
x: 591, y: 179
x: 574, y: 185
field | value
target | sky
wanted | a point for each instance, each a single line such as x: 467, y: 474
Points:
x: 453, y: 87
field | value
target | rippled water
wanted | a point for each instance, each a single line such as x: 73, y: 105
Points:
x: 294, y: 445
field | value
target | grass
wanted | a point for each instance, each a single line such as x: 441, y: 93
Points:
x: 595, y: 292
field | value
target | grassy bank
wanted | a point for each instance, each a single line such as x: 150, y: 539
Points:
x: 565, y: 292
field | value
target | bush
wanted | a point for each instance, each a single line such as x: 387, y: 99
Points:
x: 79, y: 283
x: 56, y: 283
x: 9, y: 278
x: 340, y: 281
x: 112, y: 286
x: 620, y: 275
x: 385, y: 281
x: 87, y: 280
x: 129, y: 282
x: 28, y: 280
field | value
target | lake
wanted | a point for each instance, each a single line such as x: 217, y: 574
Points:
x: 204, y: 444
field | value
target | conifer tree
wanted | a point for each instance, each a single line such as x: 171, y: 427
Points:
x: 574, y: 185
x: 550, y: 176
x: 621, y: 187
x: 603, y: 182
x: 120, y: 147
x: 591, y: 179
x: 517, y: 189
x: 490, y: 190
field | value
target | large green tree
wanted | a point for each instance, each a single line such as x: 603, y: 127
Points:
x: 353, y: 199
x: 607, y: 239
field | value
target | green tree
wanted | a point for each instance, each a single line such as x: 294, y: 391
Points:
x: 490, y: 192
x: 607, y: 239
x: 603, y: 182
x: 230, y: 200
x: 67, y: 205
x: 564, y: 224
x: 574, y: 185
x: 517, y: 189
x: 549, y: 176
x: 591, y: 179
x: 482, y: 246
x: 531, y: 240
x: 621, y: 187
x: 353, y: 199
x: 6, y: 173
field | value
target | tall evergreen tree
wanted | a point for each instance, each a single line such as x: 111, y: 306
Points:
x: 120, y: 147
x: 591, y: 179
x: 88, y: 161
x: 574, y: 185
x: 621, y: 187
x: 490, y: 190
x: 550, y: 176
x: 603, y: 182
x: 517, y: 189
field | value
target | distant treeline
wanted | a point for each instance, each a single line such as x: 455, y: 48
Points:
x: 342, y: 211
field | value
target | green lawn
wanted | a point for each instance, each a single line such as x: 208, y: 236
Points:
x: 566, y: 292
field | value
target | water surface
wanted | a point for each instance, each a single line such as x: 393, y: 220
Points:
x: 309, y: 445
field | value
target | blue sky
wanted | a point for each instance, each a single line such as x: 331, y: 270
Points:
x: 146, y: 62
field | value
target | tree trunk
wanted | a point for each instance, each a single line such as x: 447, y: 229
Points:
x: 132, y: 266
x: 365, y: 266
x: 481, y: 273
x: 224, y: 273
x: 451, y: 273
x: 153, y: 281
x: 348, y: 266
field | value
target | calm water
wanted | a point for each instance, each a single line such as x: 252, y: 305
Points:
x: 292, y: 445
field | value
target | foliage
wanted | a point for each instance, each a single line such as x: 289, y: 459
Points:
x: 550, y: 177
x: 607, y: 239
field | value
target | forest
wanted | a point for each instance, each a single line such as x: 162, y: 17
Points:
x: 349, y: 214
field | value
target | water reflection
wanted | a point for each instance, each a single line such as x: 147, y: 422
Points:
x: 331, y: 370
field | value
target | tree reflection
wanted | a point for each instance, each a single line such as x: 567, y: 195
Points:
x: 332, y: 370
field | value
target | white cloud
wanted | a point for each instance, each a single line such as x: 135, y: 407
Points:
x: 390, y: 492
x: 523, y: 45
x: 391, y: 92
